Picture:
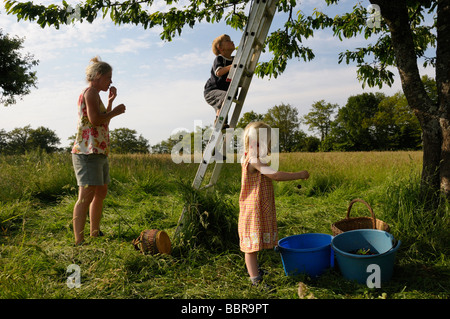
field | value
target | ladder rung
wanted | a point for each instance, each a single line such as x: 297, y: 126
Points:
x: 257, y: 43
x: 248, y: 73
x: 207, y: 186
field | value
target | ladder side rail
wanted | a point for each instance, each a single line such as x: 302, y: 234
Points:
x: 215, y: 175
x: 255, y: 50
x: 252, y: 19
x: 248, y: 78
x: 214, y: 141
x: 260, y: 32
x: 235, y: 83
x: 253, y: 24
x: 233, y: 122
x: 239, y: 104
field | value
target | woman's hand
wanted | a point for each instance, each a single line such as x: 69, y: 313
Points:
x: 112, y: 94
x: 119, y: 109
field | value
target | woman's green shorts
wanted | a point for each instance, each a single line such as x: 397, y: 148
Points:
x: 91, y: 170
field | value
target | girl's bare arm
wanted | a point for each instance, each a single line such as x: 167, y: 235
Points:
x: 274, y: 174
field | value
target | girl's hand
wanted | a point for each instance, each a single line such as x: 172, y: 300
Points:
x: 304, y: 175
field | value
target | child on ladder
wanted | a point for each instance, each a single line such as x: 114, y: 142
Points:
x: 257, y: 216
x: 217, y: 85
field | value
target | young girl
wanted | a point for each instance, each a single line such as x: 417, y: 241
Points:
x: 91, y: 148
x: 257, y: 216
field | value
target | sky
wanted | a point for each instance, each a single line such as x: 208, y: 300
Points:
x: 161, y: 83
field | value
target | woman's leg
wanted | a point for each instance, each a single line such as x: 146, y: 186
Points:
x: 85, y: 196
x: 96, y: 208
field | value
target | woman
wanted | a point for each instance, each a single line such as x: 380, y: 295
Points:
x: 91, y: 148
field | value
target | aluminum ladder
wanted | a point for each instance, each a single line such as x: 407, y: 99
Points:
x: 241, y: 73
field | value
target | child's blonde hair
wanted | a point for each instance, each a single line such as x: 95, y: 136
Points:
x: 96, y: 69
x: 216, y: 43
x: 252, y: 138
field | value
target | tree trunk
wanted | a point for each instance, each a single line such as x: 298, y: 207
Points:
x: 443, y: 88
x: 432, y: 141
x: 395, y: 13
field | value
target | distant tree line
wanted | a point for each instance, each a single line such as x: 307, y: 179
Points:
x: 25, y: 139
x: 367, y: 122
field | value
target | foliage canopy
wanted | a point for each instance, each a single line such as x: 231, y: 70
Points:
x: 16, y: 77
x: 284, y: 44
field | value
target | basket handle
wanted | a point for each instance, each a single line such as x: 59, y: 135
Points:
x: 137, y: 243
x: 368, y: 206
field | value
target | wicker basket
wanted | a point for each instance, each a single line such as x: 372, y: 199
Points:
x: 358, y: 222
x: 153, y: 241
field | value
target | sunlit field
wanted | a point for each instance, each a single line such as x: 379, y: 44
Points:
x: 38, y: 193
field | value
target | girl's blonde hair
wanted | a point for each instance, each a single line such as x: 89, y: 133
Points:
x: 252, y: 138
x: 97, y: 68
x: 216, y: 43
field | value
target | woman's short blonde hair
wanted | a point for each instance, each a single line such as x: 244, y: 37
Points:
x: 97, y: 68
x: 217, y: 42
x: 252, y: 138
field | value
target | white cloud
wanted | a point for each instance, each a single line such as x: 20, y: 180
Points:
x: 189, y: 60
x: 49, y: 43
x: 125, y: 45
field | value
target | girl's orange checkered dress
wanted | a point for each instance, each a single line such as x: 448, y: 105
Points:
x: 257, y: 217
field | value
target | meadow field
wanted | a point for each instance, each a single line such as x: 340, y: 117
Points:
x: 38, y: 192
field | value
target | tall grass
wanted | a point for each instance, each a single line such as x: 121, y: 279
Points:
x: 425, y: 228
x: 36, y: 174
x: 38, y: 192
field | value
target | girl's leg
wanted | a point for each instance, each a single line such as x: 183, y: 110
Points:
x: 253, y: 270
x: 251, y: 261
x: 85, y: 196
x: 96, y: 207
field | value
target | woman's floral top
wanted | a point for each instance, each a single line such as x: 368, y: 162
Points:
x: 90, y: 139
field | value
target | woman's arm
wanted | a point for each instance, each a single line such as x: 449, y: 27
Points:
x: 95, y: 116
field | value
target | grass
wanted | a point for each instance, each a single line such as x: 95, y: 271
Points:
x: 38, y: 192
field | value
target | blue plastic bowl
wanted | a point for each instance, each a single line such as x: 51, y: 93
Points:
x: 354, y: 266
x: 309, y: 254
